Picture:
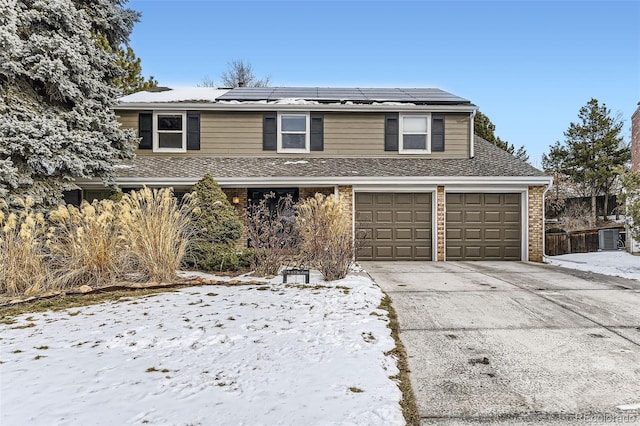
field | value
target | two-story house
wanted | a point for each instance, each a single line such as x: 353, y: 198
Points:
x: 406, y: 162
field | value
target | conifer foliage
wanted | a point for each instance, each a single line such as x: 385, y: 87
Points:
x: 217, y: 227
x: 56, y: 93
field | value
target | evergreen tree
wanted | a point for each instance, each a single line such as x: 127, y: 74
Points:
x: 217, y: 226
x: 132, y: 81
x: 56, y: 94
x: 592, y: 152
x: 484, y: 128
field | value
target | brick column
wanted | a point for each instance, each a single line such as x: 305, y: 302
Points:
x: 346, y: 194
x: 536, y: 223
x: 440, y: 223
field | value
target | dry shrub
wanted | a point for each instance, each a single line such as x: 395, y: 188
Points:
x: 157, y: 229
x: 271, y: 234
x: 22, y: 264
x: 326, y: 235
x: 86, y: 246
x: 575, y: 217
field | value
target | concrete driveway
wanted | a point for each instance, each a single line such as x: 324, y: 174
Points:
x: 517, y: 343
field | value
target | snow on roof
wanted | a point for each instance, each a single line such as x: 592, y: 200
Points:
x: 178, y: 94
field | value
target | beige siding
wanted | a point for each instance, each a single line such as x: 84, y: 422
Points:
x: 345, y: 134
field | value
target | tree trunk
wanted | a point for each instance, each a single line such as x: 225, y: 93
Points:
x: 606, y: 206
x: 593, y: 218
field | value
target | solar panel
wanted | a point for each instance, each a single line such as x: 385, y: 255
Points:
x: 337, y: 94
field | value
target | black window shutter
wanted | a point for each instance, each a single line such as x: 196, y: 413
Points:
x: 437, y: 133
x: 145, y: 130
x: 391, y: 132
x: 193, y: 131
x: 317, y: 132
x: 270, y: 131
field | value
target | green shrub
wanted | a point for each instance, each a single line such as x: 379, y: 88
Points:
x: 217, y: 227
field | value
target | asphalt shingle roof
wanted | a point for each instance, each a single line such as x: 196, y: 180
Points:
x: 489, y: 161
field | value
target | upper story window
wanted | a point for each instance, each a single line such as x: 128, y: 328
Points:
x: 293, y: 135
x: 291, y: 132
x: 414, y: 134
x: 169, y: 131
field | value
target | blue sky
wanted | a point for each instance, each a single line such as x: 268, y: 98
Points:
x: 528, y: 65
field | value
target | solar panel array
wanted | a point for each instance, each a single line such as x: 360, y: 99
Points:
x: 330, y: 95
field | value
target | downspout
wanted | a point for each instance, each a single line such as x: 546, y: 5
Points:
x: 544, y: 220
x: 472, y: 134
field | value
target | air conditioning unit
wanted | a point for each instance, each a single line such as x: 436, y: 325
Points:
x: 608, y: 239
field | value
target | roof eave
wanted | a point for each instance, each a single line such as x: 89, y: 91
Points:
x: 201, y: 106
x: 244, y: 182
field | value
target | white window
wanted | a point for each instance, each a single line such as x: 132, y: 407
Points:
x: 415, y: 134
x: 293, y: 132
x: 170, y: 130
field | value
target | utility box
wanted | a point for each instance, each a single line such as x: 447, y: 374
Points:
x: 608, y: 239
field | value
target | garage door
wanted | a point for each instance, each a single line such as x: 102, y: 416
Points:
x: 483, y: 227
x: 396, y: 226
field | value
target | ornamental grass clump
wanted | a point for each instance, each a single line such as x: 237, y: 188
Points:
x: 326, y: 236
x: 86, y: 246
x: 158, y: 230
x: 23, y: 269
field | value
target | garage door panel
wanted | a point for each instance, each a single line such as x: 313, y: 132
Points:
x: 403, y: 199
x: 512, y: 199
x: 400, y: 225
x: 384, y: 252
x: 384, y: 216
x: 490, y: 199
x: 493, y: 234
x: 383, y: 234
x: 383, y: 199
x: 404, y: 252
x: 454, y: 217
x: 472, y: 217
x: 422, y: 216
x: 483, y: 226
x: 492, y: 217
x: 472, y: 234
x: 404, y: 234
x: 423, y: 234
x: 512, y: 217
x: 404, y: 216
x: 422, y: 199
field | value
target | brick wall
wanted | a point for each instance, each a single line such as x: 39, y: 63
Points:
x: 635, y: 141
x: 440, y: 221
x: 240, y: 207
x: 536, y: 223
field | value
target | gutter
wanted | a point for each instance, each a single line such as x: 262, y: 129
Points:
x: 201, y: 106
x: 451, y: 181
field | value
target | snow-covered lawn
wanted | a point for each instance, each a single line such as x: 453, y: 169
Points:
x: 615, y: 263
x: 223, y: 355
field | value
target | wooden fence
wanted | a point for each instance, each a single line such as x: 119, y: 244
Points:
x: 572, y: 242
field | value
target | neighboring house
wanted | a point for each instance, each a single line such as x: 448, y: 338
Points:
x: 406, y: 162
x: 633, y: 246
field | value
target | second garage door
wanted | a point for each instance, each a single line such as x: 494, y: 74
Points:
x: 483, y: 227
x: 397, y: 226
